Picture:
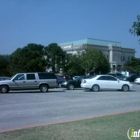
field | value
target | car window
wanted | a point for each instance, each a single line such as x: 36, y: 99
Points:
x: 112, y: 74
x: 110, y: 78
x: 19, y: 77
x: 102, y: 78
x: 119, y: 74
x: 30, y: 76
x: 46, y: 76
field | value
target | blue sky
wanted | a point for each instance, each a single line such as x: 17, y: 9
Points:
x: 58, y: 21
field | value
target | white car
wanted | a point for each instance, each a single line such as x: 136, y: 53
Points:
x: 137, y: 81
x: 98, y: 82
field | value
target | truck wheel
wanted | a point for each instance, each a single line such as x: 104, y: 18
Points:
x: 4, y: 89
x: 44, y: 88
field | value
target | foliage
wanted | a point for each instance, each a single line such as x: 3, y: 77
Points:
x: 94, y: 61
x: 27, y: 59
x: 135, y: 29
x: 4, y: 62
x: 88, y: 61
x: 73, y: 66
x: 55, y: 57
x: 133, y: 65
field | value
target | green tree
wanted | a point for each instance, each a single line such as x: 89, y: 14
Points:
x: 73, y: 66
x: 135, y: 29
x: 133, y: 65
x: 88, y: 61
x: 4, y: 62
x: 94, y: 61
x: 28, y: 59
x: 55, y: 57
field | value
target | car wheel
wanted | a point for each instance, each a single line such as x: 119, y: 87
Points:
x: 95, y: 88
x: 125, y: 88
x: 4, y: 89
x: 44, y: 88
x: 70, y: 87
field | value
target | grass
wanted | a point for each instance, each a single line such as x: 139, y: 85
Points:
x: 105, y: 128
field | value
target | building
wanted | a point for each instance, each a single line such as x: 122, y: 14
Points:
x: 114, y: 51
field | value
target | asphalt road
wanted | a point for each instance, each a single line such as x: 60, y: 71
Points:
x: 23, y: 109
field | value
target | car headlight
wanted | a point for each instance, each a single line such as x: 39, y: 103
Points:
x: 64, y: 83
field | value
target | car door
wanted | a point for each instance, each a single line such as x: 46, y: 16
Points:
x: 31, y: 81
x: 102, y: 82
x: 113, y: 83
x: 18, y: 82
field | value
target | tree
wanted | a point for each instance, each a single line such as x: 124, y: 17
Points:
x: 73, y: 66
x: 136, y: 27
x: 133, y: 65
x: 56, y: 57
x: 88, y: 61
x: 4, y: 62
x: 94, y: 61
x: 28, y: 59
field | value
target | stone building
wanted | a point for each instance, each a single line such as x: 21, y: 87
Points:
x: 117, y: 54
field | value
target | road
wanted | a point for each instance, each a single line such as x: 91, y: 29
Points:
x: 24, y: 109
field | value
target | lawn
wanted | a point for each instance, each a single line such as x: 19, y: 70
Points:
x: 105, y: 128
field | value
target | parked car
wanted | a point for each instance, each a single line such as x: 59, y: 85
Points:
x: 118, y: 75
x: 75, y: 77
x: 98, y: 82
x: 65, y: 77
x: 71, y: 84
x: 60, y: 81
x: 29, y: 81
x: 132, y: 77
x: 137, y: 81
x: 4, y: 78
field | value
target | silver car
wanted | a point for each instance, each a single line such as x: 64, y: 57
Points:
x: 29, y: 81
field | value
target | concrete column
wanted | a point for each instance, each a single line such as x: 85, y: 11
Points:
x: 110, y: 56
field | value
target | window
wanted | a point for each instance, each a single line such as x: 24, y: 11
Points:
x: 19, y: 77
x: 102, y: 78
x: 46, y: 76
x: 123, y: 58
x: 107, y: 56
x: 30, y: 76
x: 110, y: 78
x: 118, y: 74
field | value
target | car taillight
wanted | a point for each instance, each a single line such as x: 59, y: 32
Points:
x: 84, y: 81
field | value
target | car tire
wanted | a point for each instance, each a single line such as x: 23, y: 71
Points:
x: 95, y: 88
x: 44, y: 88
x: 125, y: 88
x: 4, y: 89
x: 70, y: 87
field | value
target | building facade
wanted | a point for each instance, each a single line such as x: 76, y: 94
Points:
x: 113, y: 51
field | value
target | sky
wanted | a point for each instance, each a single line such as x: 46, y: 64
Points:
x: 59, y: 21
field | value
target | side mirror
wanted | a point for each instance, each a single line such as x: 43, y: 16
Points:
x: 118, y: 80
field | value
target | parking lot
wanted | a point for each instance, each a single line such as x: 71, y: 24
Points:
x: 31, y: 108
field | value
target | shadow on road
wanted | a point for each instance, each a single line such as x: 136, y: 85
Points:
x: 34, y: 91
